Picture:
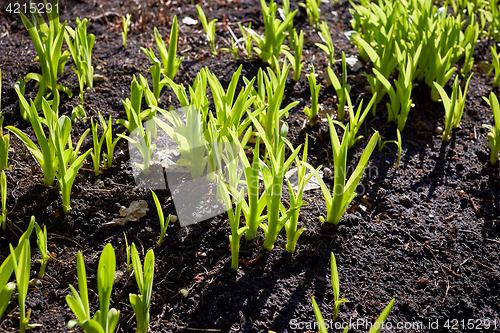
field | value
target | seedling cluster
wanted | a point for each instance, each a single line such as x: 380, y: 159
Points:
x: 408, y: 43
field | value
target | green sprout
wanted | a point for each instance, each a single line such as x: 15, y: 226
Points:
x: 105, y: 319
x: 48, y: 41
x: 3, y: 190
x: 271, y: 45
x: 273, y: 175
x: 327, y: 47
x: 494, y: 135
x: 81, y: 51
x: 314, y: 88
x: 335, y: 286
x: 8, y: 266
x: 233, y: 50
x: 110, y: 144
x: 296, y: 59
x: 295, y: 195
x: 132, y: 107
x: 96, y: 152
x: 356, y: 120
x: 126, y: 25
x: 41, y: 240
x: 343, y: 193
x: 342, y: 89
x: 495, y: 65
x: 127, y: 252
x: 453, y: 106
x: 144, y: 278
x: 398, y: 143
x: 209, y: 27
x: 312, y: 10
x: 163, y: 224
x: 168, y: 57
x: 22, y: 266
x: 247, y: 38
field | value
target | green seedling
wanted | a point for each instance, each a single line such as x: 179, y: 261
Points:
x: 454, y: 106
x: 197, y: 93
x: 398, y: 143
x: 81, y: 51
x: 247, y: 38
x: 169, y: 57
x: 233, y: 49
x: 233, y: 213
x: 343, y: 193
x: 273, y: 175
x: 494, y: 135
x: 495, y: 66
x: 229, y: 112
x: 314, y: 88
x: 491, y: 13
x: 110, y: 144
x: 209, y: 27
x: 127, y: 252
x: 3, y: 190
x: 342, y: 89
x: 271, y: 45
x: 471, y: 37
x: 163, y: 224
x: 105, y: 319
x: 189, y: 137
x: 22, y: 266
x: 156, y: 73
x: 327, y: 47
x: 319, y: 317
x: 48, y: 41
x: 355, y: 119
x: 8, y: 266
x: 96, y: 152
x: 335, y: 286
x: 269, y: 95
x: 132, y: 107
x: 253, y: 209
x: 295, y: 195
x: 296, y: 59
x: 126, y: 25
x: 41, y: 240
x: 141, y: 303
x: 312, y: 10
x: 78, y: 112
x: 142, y: 139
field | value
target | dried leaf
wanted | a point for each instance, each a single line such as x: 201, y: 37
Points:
x: 136, y: 210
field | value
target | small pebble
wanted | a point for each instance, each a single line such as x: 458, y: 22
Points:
x: 35, y: 283
x: 327, y: 172
x: 173, y: 218
x: 461, y: 192
x: 368, y: 89
x: 438, y: 130
x: 431, y: 216
x: 149, y: 229
x: 202, y: 254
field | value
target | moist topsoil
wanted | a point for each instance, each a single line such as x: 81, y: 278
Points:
x: 426, y: 234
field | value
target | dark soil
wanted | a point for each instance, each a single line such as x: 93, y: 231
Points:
x: 426, y: 234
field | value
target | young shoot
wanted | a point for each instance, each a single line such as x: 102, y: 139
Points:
x: 342, y: 89
x: 141, y: 303
x: 209, y: 27
x: 127, y: 252
x: 22, y: 267
x: 96, y: 152
x: 327, y: 47
x: 163, y: 224
x: 3, y: 190
x: 126, y: 25
x: 453, y: 106
x: 312, y: 11
x: 398, y: 143
x: 296, y: 59
x: 494, y: 135
x: 110, y: 144
x: 314, y: 88
x: 495, y: 66
x: 168, y: 57
x: 343, y: 193
x: 41, y: 240
x: 81, y: 51
x: 356, y: 119
x: 247, y: 38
